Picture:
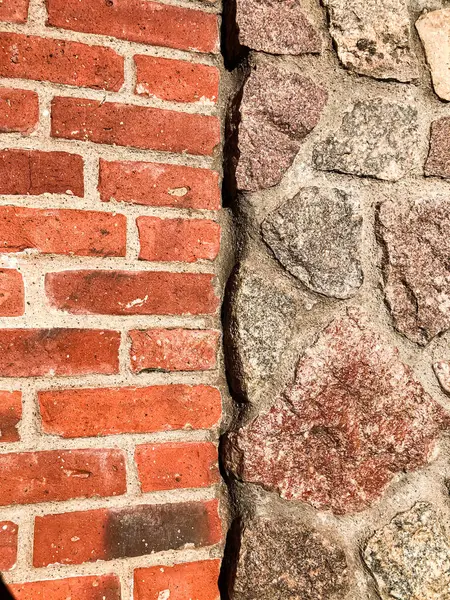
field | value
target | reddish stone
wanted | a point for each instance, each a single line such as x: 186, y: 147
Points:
x: 177, y: 465
x: 10, y: 416
x: 178, y: 240
x: 103, y: 587
x: 8, y: 545
x: 19, y: 110
x: 14, y: 11
x: 136, y: 126
x: 155, y: 184
x: 132, y: 292
x: 173, y: 349
x: 107, y: 411
x: 197, y: 581
x: 353, y: 419
x: 438, y: 162
x: 176, y: 80
x: 12, y: 301
x: 60, y: 61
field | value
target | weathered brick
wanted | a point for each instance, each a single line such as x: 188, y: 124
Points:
x: 14, y: 11
x: 60, y: 61
x: 136, y: 126
x: 8, y: 545
x: 138, y: 21
x: 77, y: 537
x: 53, y: 231
x: 180, y: 240
x: 105, y: 411
x: 438, y: 162
x: 176, y: 80
x: 48, y: 352
x: 188, y: 580
x: 103, y: 587
x: 19, y: 110
x: 156, y: 184
x: 30, y: 477
x: 173, y: 349
x: 11, y: 293
x: 177, y: 465
x: 34, y: 172
x: 10, y: 416
x: 131, y: 293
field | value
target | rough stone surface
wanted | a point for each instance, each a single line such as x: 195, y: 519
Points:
x: 260, y: 325
x: 373, y: 37
x: 278, y: 109
x: 442, y: 370
x: 410, y: 557
x: 438, y: 162
x: 337, y: 440
x: 434, y: 31
x: 416, y: 236
x: 377, y: 139
x: 316, y: 236
x: 276, y: 26
x: 280, y: 559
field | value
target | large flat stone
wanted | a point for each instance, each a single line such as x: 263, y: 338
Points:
x: 434, y: 31
x: 373, y: 37
x: 276, y: 27
x: 416, y: 236
x: 278, y: 109
x: 316, y: 236
x: 377, y: 139
x: 281, y: 559
x: 410, y: 557
x: 353, y: 418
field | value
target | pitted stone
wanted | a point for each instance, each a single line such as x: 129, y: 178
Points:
x: 278, y: 109
x: 377, y: 139
x: 416, y: 237
x: 316, y: 236
x: 276, y: 27
x: 280, y: 558
x: 410, y: 557
x: 353, y: 418
x: 438, y: 161
x: 434, y: 31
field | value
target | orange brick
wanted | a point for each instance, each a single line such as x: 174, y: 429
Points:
x: 19, y: 110
x: 104, y: 587
x: 12, y: 300
x: 8, y: 545
x: 14, y: 11
x: 10, y: 416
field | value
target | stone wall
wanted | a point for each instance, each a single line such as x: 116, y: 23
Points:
x: 337, y: 314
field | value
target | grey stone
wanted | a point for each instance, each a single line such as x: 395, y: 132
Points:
x: 376, y: 139
x: 415, y: 233
x: 276, y: 26
x: 410, y: 557
x: 259, y: 326
x: 373, y: 37
x: 442, y: 370
x: 316, y: 236
x: 282, y: 559
x: 278, y: 109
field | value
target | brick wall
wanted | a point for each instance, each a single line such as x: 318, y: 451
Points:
x: 110, y: 284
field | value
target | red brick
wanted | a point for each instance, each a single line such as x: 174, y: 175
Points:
x: 11, y: 293
x: 176, y: 80
x: 156, y: 184
x: 19, y: 110
x: 106, y: 411
x: 14, y: 11
x: 176, y: 465
x: 8, y: 545
x: 131, y: 292
x: 37, y: 352
x: 136, y: 126
x: 60, y: 61
x: 103, y: 587
x: 138, y: 21
x: 30, y: 477
x: 173, y: 350
x: 74, y: 538
x: 34, y: 172
x: 181, y: 240
x: 53, y: 231
x: 10, y: 416
x: 197, y: 581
